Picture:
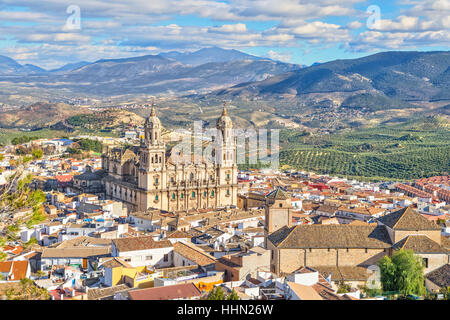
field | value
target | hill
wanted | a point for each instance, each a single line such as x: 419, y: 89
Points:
x: 208, y: 55
x: 9, y: 66
x: 151, y: 74
x: 385, y: 79
x: 36, y: 116
x: 104, y: 120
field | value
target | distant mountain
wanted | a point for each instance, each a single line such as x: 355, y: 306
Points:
x: 10, y: 66
x: 207, y: 55
x: 70, y: 67
x: 388, y: 77
x: 154, y: 74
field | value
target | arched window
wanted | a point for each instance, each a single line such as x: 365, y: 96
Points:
x: 193, y: 194
x: 192, y: 176
x: 156, y: 197
x: 212, y: 193
x: 160, y: 159
x: 173, y: 196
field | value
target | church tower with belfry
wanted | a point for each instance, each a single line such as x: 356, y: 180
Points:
x: 226, y: 158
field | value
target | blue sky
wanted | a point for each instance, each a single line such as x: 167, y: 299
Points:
x: 299, y: 31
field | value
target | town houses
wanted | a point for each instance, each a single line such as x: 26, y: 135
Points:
x: 130, y: 224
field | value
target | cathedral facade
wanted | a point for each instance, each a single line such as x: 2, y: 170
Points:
x: 145, y: 176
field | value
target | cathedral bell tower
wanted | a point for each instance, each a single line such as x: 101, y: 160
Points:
x: 152, y: 151
x: 227, y: 153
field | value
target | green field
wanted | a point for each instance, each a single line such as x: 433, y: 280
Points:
x: 408, y: 151
x: 6, y: 135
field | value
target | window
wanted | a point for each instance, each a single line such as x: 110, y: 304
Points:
x: 156, y: 180
x: 281, y: 205
x: 193, y: 194
x: 347, y: 249
x: 212, y: 193
x: 366, y: 250
x: 228, y: 192
x: 228, y: 176
x: 127, y: 260
x: 181, y: 196
x: 156, y: 197
x: 173, y: 196
x: 204, y: 193
x: 166, y: 258
x: 148, y: 257
x: 425, y: 262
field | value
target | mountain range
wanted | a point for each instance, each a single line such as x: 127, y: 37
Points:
x: 170, y: 73
x: 389, y: 76
x: 387, y: 80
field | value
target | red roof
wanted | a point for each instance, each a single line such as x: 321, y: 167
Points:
x: 64, y: 178
x: 16, y: 269
x: 179, y: 291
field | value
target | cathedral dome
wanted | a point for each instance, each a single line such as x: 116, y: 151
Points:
x: 153, y: 121
x: 224, y: 121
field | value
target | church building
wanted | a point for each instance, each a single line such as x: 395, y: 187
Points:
x: 146, y: 176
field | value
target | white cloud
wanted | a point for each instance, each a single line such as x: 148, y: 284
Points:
x: 120, y: 28
x: 280, y: 56
x: 354, y: 25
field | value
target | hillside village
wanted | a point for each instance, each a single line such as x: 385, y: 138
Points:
x: 291, y: 235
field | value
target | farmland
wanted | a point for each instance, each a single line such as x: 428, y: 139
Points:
x: 419, y: 148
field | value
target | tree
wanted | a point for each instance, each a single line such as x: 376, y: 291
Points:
x: 216, y: 294
x: 233, y: 296
x: 37, y: 153
x: 41, y: 274
x: 219, y: 294
x: 403, y: 272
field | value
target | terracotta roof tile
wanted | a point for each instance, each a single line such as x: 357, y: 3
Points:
x: 331, y: 236
x: 140, y: 243
x: 408, y: 219
x: 420, y: 244
x: 193, y: 253
x: 180, y: 291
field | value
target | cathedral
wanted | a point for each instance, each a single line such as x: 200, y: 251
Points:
x: 146, y: 176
